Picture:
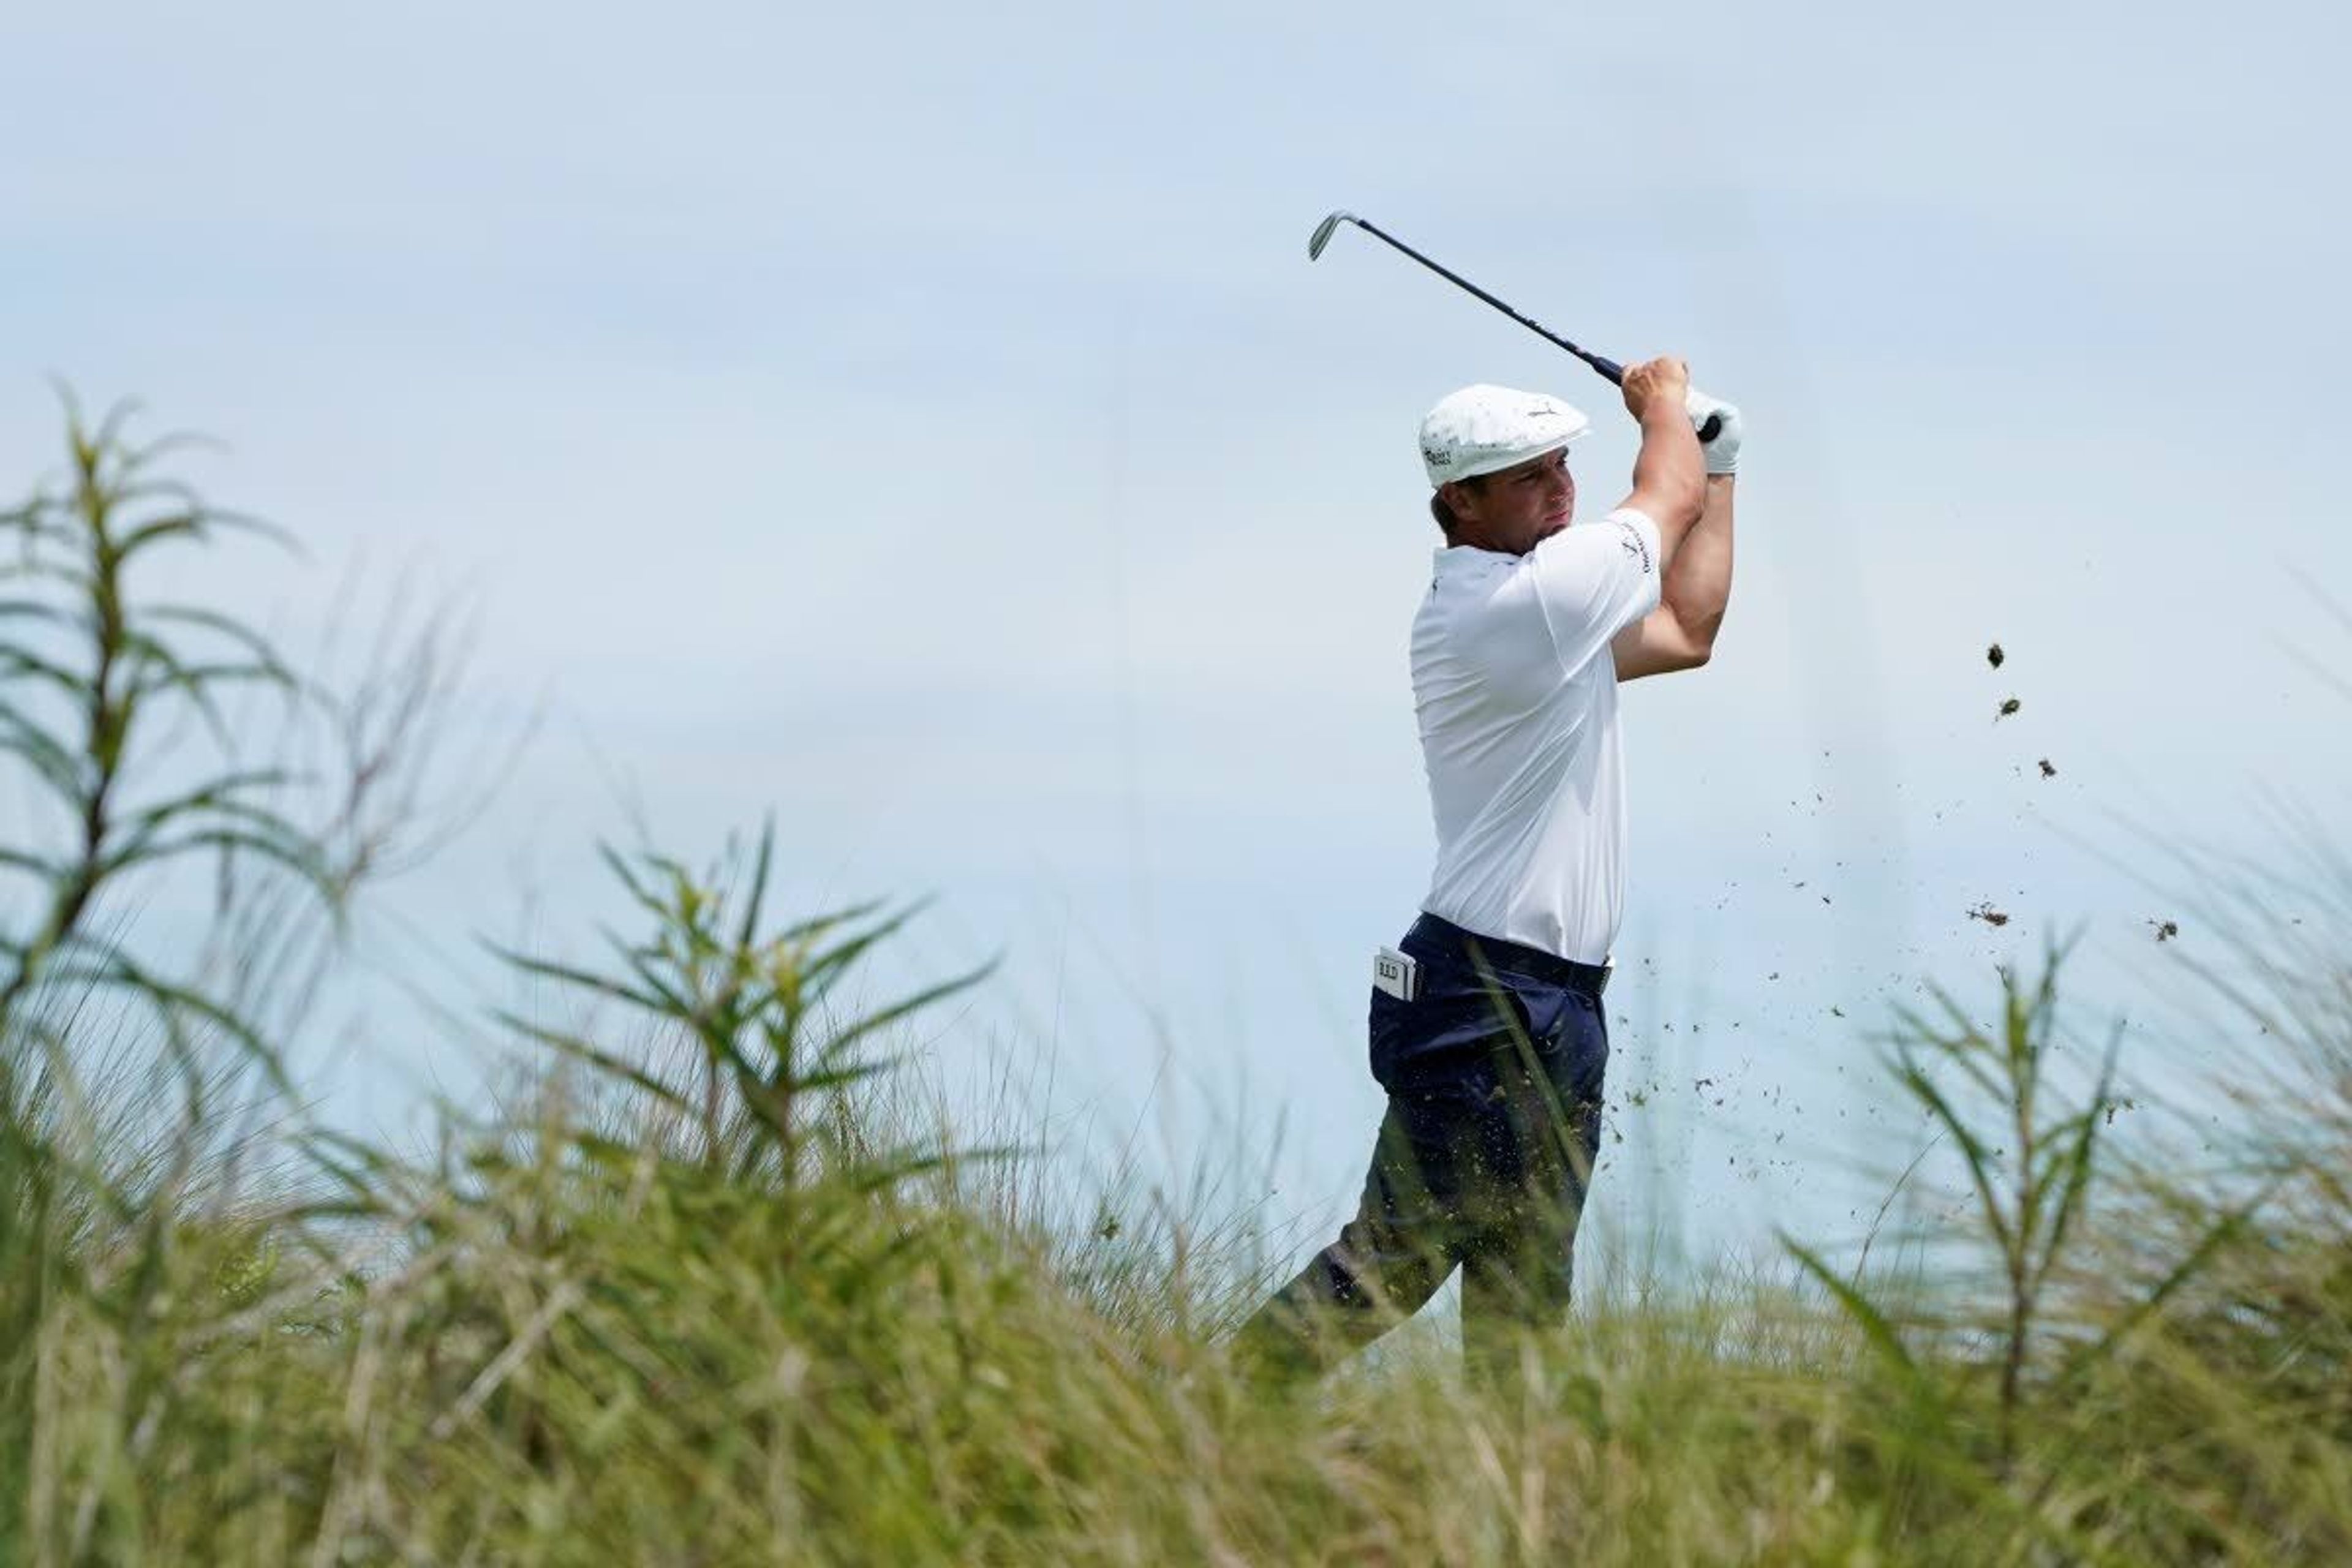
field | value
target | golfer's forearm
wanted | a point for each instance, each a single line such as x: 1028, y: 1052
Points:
x: 1669, y: 473
x: 1698, y: 585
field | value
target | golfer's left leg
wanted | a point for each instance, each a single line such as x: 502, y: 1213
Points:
x: 1392, y: 1257
x: 1516, y: 1273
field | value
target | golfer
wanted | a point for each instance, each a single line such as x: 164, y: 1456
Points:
x: 1486, y: 1028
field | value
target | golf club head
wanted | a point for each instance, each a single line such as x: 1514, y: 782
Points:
x: 1323, y: 233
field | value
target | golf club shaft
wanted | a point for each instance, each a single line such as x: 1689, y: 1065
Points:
x: 1608, y: 367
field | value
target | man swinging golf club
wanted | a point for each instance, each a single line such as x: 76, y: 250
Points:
x: 1486, y: 1028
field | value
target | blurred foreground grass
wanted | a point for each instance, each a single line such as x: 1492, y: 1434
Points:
x: 719, y: 1290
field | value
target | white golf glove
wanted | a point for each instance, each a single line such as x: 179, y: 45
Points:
x: 1723, y: 452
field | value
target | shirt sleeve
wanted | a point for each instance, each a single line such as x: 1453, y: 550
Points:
x: 1596, y: 579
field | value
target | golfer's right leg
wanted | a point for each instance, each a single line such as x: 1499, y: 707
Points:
x: 1387, y: 1262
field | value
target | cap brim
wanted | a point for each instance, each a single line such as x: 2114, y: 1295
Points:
x: 1497, y: 465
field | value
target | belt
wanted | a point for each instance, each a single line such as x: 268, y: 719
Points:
x: 1517, y: 957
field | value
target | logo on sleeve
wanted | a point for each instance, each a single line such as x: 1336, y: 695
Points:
x: 1631, y: 538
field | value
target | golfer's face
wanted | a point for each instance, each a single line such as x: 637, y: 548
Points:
x: 1532, y: 500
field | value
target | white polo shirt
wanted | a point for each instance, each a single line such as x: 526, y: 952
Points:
x: 1516, y: 695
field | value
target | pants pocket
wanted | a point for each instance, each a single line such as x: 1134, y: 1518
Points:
x: 1455, y: 1020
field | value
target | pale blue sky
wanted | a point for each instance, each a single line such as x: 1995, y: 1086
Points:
x: 925, y: 424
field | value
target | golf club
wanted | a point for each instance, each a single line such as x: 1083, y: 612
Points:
x: 1606, y: 366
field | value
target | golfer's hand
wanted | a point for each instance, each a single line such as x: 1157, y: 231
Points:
x: 1723, y: 452
x: 1662, y: 380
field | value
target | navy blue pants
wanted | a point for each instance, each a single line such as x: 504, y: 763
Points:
x: 1494, y: 1078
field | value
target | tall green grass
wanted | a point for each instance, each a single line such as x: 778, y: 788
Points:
x: 721, y: 1287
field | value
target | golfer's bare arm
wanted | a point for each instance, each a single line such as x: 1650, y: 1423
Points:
x: 1680, y: 633
x: 1669, y: 474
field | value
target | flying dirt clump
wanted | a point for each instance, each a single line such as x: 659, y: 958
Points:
x: 1987, y: 913
x: 1993, y: 655
x: 2047, y: 771
x: 2166, y: 929
x: 2008, y: 707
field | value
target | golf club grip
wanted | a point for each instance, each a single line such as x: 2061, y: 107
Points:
x: 1616, y: 373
